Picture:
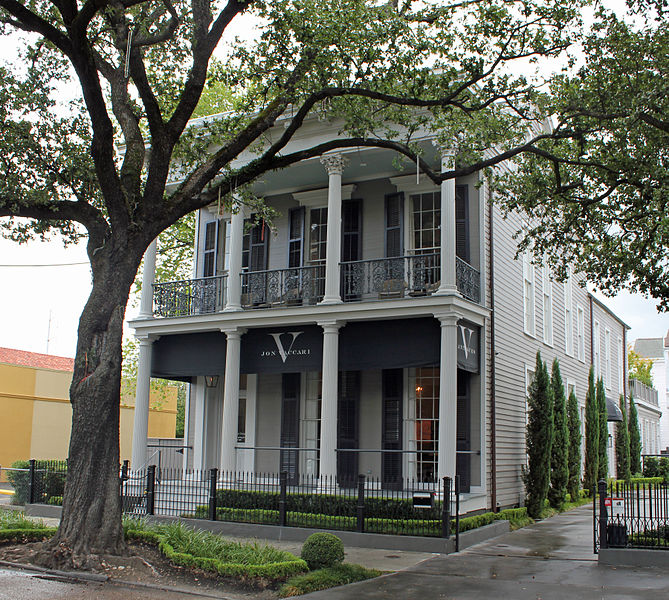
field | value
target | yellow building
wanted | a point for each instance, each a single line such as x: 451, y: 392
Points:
x: 36, y: 415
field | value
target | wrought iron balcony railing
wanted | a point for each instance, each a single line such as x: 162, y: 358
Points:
x: 468, y: 280
x: 190, y: 296
x: 288, y: 287
x: 414, y: 275
x: 397, y: 277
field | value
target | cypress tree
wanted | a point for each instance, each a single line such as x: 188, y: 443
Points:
x: 574, y: 458
x: 590, y: 468
x: 635, y: 439
x: 539, y: 439
x: 623, y: 445
x: 603, y: 459
x: 560, y: 448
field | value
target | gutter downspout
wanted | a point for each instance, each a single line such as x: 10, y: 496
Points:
x: 493, y: 420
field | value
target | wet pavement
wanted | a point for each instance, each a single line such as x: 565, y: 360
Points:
x: 21, y: 585
x: 551, y: 560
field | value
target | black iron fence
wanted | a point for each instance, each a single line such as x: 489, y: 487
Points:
x: 303, y: 501
x: 190, y: 296
x: 631, y: 515
x: 37, y: 481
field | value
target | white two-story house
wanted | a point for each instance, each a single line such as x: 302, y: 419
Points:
x: 380, y: 325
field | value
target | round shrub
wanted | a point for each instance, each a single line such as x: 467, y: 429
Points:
x: 322, y: 550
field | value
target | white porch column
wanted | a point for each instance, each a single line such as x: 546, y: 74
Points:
x: 448, y: 394
x: 142, y: 391
x: 328, y: 463
x: 448, y: 278
x: 231, y: 400
x: 235, y: 273
x: 199, y: 427
x: 334, y: 163
x: 148, y: 278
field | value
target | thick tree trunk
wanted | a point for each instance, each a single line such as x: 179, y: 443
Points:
x: 91, y: 518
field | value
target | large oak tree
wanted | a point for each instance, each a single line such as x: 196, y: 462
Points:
x: 121, y: 163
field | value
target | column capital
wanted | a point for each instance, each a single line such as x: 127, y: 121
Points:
x: 334, y: 163
x: 233, y: 333
x: 146, y: 339
x: 330, y: 326
x: 448, y: 319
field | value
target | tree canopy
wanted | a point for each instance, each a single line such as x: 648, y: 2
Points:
x: 596, y: 193
x: 122, y: 161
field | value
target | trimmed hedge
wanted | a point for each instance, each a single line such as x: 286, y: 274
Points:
x: 322, y: 550
x: 639, y: 480
x: 327, y: 504
x: 276, y: 570
x: 22, y: 535
x: 326, y: 578
x: 430, y: 527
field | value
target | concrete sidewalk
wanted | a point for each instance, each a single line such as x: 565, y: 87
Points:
x: 551, y: 560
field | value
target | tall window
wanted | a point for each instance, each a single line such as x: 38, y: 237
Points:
x: 426, y: 426
x: 548, y: 304
x: 598, y: 350
x: 426, y: 214
x: 568, y: 318
x: 318, y: 234
x: 580, y: 333
x: 528, y: 293
x: 607, y: 358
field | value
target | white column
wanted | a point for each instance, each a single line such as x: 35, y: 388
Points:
x: 199, y: 427
x: 328, y: 463
x: 142, y: 391
x: 448, y: 392
x: 448, y: 279
x: 334, y: 163
x: 148, y: 278
x: 231, y: 400
x: 235, y: 272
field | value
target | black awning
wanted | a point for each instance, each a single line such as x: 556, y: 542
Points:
x: 391, y: 344
x: 282, y: 349
x: 188, y: 355
x: 613, y: 412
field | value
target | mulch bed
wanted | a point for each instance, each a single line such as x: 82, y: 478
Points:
x: 146, y: 565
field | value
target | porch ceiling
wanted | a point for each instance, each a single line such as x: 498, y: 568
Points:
x: 364, y: 164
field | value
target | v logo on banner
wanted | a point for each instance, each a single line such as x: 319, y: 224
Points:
x: 277, y: 340
x: 466, y: 334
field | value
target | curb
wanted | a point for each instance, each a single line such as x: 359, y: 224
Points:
x: 96, y: 578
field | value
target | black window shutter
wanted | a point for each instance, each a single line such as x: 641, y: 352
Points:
x: 394, y: 217
x: 462, y: 222
x: 391, y: 433
x: 210, y: 248
x: 296, y: 237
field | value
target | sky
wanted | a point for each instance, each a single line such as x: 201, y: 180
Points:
x: 40, y: 305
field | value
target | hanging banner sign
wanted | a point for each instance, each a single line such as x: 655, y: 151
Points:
x: 468, y: 347
x: 282, y: 349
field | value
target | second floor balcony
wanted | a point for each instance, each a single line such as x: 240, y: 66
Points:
x: 363, y: 280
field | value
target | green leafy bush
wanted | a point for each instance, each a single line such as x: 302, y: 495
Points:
x: 322, y: 550
x: 188, y: 547
x: 49, y: 480
x: 325, y: 578
x: 14, y: 527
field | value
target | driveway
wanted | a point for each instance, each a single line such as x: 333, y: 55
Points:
x: 551, y: 560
